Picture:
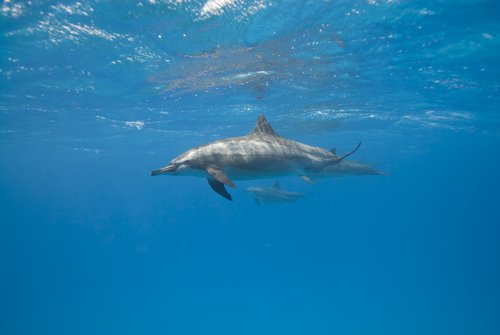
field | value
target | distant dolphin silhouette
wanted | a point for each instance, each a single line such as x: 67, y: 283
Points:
x: 273, y: 194
x: 260, y: 154
x: 346, y: 167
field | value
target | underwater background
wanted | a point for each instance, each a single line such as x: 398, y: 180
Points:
x: 96, y: 94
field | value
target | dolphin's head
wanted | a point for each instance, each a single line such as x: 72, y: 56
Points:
x: 176, y: 168
x: 185, y: 164
x: 169, y: 169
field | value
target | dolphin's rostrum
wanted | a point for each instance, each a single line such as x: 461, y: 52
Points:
x: 260, y: 154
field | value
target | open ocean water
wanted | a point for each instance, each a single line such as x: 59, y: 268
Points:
x: 96, y: 94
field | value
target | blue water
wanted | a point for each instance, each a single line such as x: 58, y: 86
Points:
x: 94, y: 95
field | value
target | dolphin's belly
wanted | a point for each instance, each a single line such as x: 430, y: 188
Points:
x: 259, y: 168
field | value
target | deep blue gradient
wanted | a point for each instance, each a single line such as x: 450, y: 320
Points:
x: 94, y: 95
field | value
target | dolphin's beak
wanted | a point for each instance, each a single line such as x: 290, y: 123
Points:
x: 167, y: 169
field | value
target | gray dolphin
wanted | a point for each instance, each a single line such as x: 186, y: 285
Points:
x: 346, y: 167
x: 343, y: 168
x: 260, y: 154
x: 273, y: 194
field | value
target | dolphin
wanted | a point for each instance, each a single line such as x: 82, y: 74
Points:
x: 344, y: 168
x: 347, y: 167
x: 260, y: 154
x: 273, y: 194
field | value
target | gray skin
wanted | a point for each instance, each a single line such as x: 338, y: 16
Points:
x: 273, y: 194
x: 260, y: 154
x: 346, y: 168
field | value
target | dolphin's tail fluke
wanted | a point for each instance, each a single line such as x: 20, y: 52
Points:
x: 349, y: 153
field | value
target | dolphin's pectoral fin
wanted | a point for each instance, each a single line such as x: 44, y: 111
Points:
x: 307, y: 179
x: 220, y: 176
x: 349, y: 153
x: 218, y: 187
x: 257, y: 201
x: 277, y: 184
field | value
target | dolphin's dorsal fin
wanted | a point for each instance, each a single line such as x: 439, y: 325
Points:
x: 277, y: 184
x: 263, y: 128
x: 333, y: 151
x: 349, y: 153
